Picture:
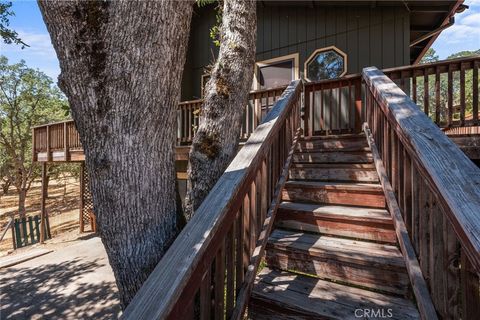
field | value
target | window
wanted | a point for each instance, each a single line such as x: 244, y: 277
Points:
x: 276, y: 72
x: 326, y: 63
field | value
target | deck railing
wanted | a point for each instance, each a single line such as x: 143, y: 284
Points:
x: 438, y: 191
x: 63, y: 136
x: 259, y: 103
x: 209, y: 270
x: 333, y: 106
x: 447, y: 91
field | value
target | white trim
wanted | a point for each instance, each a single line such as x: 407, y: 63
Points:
x: 264, y: 63
x: 340, y: 52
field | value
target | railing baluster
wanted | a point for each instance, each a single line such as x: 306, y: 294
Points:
x: 206, y: 296
x: 414, y: 87
x: 462, y: 95
x: 475, y: 92
x: 470, y: 289
x: 436, y: 212
x: 230, y: 274
x: 437, y: 96
x: 239, y: 264
x: 451, y: 271
x: 246, y: 231
x: 436, y: 256
x: 426, y: 94
x: 450, y: 96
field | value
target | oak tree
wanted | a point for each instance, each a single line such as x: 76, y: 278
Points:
x: 226, y: 95
x: 121, y: 65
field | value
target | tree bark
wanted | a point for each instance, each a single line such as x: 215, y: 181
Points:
x: 22, y: 196
x: 226, y: 95
x: 121, y: 65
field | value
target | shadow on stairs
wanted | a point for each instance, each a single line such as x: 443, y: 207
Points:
x: 333, y: 253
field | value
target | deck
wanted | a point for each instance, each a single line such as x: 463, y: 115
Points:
x: 382, y: 220
x: 332, y: 107
x: 350, y: 190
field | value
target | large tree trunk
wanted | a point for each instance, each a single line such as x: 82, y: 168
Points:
x: 226, y: 95
x: 121, y: 66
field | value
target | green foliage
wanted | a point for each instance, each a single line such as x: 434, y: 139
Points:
x: 464, y: 54
x: 8, y: 35
x: 431, y: 56
x: 28, y: 97
x: 215, y: 31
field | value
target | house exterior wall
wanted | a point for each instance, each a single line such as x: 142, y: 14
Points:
x: 370, y: 36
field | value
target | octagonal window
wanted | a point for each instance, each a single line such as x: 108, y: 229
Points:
x: 327, y: 63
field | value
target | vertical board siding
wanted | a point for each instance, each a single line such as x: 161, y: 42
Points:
x: 377, y: 36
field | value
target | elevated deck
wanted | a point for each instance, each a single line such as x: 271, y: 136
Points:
x: 379, y: 224
x: 331, y: 107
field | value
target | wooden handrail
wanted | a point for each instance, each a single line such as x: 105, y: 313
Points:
x: 225, y: 238
x: 419, y: 285
x: 437, y: 187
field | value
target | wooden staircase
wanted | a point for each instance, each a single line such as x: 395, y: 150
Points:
x: 333, y: 253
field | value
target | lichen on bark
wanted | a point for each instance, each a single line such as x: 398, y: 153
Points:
x: 226, y: 95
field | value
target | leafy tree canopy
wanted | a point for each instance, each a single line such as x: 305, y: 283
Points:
x: 28, y: 97
x: 8, y: 35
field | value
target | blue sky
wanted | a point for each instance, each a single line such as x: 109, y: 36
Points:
x: 28, y: 22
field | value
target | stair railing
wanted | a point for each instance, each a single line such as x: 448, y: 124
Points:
x: 438, y: 190
x: 209, y: 270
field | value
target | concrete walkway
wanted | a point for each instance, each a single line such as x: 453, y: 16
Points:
x: 74, y: 282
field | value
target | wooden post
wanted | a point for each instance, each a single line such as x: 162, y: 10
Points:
x: 13, y: 234
x: 358, y: 106
x: 82, y: 188
x: 65, y: 142
x: 34, y: 149
x: 49, y: 156
x: 43, y: 213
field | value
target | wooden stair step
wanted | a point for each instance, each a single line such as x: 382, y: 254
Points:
x: 373, y: 265
x: 354, y: 194
x: 339, y: 156
x: 343, y: 136
x: 353, y: 222
x: 357, y: 144
x: 285, y: 295
x: 334, y: 172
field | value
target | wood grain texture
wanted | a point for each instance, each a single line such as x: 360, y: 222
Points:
x: 334, y: 172
x: 452, y: 176
x: 355, y: 194
x: 355, y: 262
x: 283, y: 295
x: 168, y: 282
x: 352, y: 222
x: 419, y: 285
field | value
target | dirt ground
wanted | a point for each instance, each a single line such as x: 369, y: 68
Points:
x: 62, y: 208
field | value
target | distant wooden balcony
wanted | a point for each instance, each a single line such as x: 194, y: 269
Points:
x: 58, y: 141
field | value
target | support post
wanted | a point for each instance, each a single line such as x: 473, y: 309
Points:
x: 65, y: 142
x: 49, y: 155
x: 43, y: 213
x: 82, y: 189
x: 358, y: 106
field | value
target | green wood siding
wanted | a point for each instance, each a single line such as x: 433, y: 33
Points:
x: 369, y: 36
